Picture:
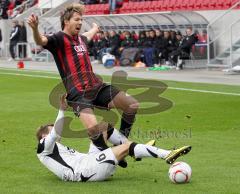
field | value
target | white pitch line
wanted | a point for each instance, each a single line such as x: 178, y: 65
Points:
x: 29, y: 75
x: 172, y: 88
x: 205, y: 91
x: 28, y: 70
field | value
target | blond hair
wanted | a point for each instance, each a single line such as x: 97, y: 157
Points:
x: 43, y: 130
x: 69, y: 11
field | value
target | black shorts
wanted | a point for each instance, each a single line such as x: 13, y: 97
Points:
x: 98, y: 97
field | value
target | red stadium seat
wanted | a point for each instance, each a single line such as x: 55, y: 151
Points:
x: 127, y: 7
x: 94, y: 10
x: 206, y: 5
x: 179, y: 5
x: 171, y: 5
x: 140, y: 7
x: 228, y: 3
x: 146, y: 6
x: 88, y: 9
x: 220, y: 4
x: 197, y: 5
x: 97, y: 9
x: 156, y: 5
x: 189, y: 4
x: 162, y: 5
x: 106, y: 9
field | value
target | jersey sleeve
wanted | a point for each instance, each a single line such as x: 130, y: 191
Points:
x: 52, y: 43
x: 47, y: 144
x: 84, y: 39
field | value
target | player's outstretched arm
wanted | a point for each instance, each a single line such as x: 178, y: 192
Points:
x: 56, y: 131
x: 59, y: 123
x: 94, y: 30
x: 33, y: 23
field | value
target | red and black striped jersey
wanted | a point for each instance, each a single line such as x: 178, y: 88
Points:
x: 73, y: 62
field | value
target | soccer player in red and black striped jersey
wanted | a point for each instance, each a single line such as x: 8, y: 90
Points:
x: 84, y: 89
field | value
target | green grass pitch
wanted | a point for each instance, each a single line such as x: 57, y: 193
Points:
x: 209, y: 122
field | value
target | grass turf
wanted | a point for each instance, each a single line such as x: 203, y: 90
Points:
x: 208, y: 122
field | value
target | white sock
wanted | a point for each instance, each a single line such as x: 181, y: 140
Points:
x: 93, y: 149
x: 141, y: 151
x: 117, y: 138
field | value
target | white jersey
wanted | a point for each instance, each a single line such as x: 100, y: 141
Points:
x: 70, y: 165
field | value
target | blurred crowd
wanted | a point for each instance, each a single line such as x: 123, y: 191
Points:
x: 152, y: 47
x: 11, y: 8
x: 94, y: 1
x: 107, y: 1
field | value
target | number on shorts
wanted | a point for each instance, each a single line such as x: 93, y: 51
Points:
x: 101, y: 157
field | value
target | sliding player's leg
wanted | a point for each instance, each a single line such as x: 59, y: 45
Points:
x: 102, y: 165
x: 141, y: 150
x: 117, y: 138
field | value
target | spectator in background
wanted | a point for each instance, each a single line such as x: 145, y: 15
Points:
x: 10, y: 8
x: 128, y: 41
x: 147, y: 33
x: 179, y: 38
x: 202, y: 40
x: 166, y: 40
x: 112, y: 5
x: 172, y: 42
x: 4, y: 8
x: 134, y: 36
x: 157, y: 49
x: 160, y: 47
x: 100, y: 44
x: 141, y: 40
x: 184, y: 49
x: 22, y: 39
x: 31, y: 3
x: 16, y: 10
x: 121, y: 35
x: 88, y: 2
x: 114, y: 43
x: 149, y: 41
x: 149, y: 50
x: 106, y: 36
x: 14, y: 38
x: 18, y: 2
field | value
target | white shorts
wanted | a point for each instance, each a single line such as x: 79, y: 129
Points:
x: 96, y: 167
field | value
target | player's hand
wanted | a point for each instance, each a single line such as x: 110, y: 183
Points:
x: 33, y: 21
x: 63, y: 102
x: 96, y: 26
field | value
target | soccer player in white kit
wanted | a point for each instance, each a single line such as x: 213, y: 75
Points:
x: 71, y: 165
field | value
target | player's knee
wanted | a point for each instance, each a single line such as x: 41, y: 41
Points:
x: 96, y: 129
x: 133, y: 107
x: 93, y: 131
